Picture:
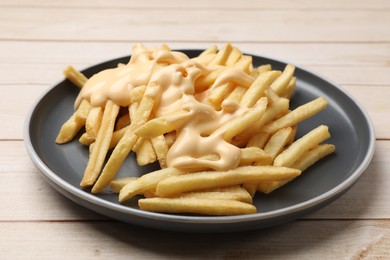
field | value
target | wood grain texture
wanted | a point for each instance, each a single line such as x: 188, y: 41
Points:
x: 194, y: 24
x: 300, y: 240
x: 345, y: 41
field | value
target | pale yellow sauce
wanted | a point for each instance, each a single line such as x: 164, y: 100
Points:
x: 175, y: 75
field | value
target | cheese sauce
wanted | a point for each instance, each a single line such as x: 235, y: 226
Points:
x: 175, y: 74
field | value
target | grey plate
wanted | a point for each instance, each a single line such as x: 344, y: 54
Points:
x: 352, y: 133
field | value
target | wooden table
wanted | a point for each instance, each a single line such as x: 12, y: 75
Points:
x: 346, y: 41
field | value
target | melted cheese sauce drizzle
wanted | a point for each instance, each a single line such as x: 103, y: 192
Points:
x: 175, y: 74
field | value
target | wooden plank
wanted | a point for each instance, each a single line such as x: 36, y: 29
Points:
x: 88, y: 53
x: 194, y: 24
x: 301, y: 240
x: 205, y: 4
x: 27, y: 197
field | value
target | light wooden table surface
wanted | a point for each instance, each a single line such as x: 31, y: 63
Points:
x: 346, y: 41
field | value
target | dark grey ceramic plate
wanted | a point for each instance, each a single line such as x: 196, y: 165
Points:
x: 352, y: 133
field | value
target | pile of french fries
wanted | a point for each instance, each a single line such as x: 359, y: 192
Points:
x: 270, y: 155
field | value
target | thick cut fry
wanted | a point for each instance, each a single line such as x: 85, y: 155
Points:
x: 236, y: 95
x: 117, y: 184
x: 277, y: 142
x: 218, y: 179
x: 300, y: 146
x: 146, y: 182
x: 122, y: 122
x: 313, y: 155
x: 256, y: 155
x: 162, y: 125
x: 86, y: 139
x: 217, y: 95
x: 280, y: 84
x: 222, y: 55
x: 258, y: 87
x: 117, y: 136
x: 234, y: 56
x: 71, y: 127
x: 211, y: 50
x: 161, y: 148
x: 251, y: 188
x: 75, y: 76
x: 259, y: 140
x: 290, y: 88
x: 127, y: 142
x: 270, y: 186
x: 239, y: 124
x: 136, y: 94
x: 101, y: 146
x: 264, y: 68
x: 198, y: 206
x: 297, y: 115
x: 244, y: 63
x: 144, y: 152
x: 94, y: 120
x: 229, y: 193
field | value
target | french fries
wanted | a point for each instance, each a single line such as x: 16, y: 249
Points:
x: 220, y: 128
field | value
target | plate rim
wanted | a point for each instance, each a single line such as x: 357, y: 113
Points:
x: 293, y: 209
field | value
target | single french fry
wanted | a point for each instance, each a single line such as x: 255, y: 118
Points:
x: 146, y: 182
x: 75, y: 76
x: 144, y: 152
x: 313, y: 155
x: 219, y: 179
x: 161, y: 148
x: 101, y: 146
x: 239, y: 124
x: 217, y: 95
x: 277, y: 142
x: 268, y: 187
x: 73, y: 125
x: 236, y: 95
x: 256, y: 155
x: 280, y: 84
x: 199, y: 206
x: 289, y: 90
x: 127, y: 142
x: 264, y: 68
x: 300, y: 146
x: 258, y: 140
x: 117, y: 184
x: 136, y: 94
x: 117, y: 136
x: 122, y: 121
x: 222, y: 55
x: 228, y: 193
x: 86, y: 139
x: 234, y: 56
x: 162, y: 125
x: 211, y: 50
x: 258, y: 87
x: 93, y: 122
x: 297, y: 115
x: 251, y: 188
x: 244, y: 63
